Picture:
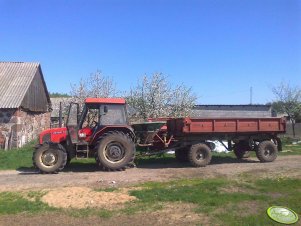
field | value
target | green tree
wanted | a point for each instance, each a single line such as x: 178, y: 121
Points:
x: 57, y: 94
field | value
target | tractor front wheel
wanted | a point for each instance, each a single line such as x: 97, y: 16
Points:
x: 50, y: 158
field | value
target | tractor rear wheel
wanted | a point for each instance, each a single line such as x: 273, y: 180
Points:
x: 199, y: 155
x: 115, y: 151
x: 50, y: 158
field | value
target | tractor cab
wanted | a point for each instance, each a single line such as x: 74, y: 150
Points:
x: 97, y: 114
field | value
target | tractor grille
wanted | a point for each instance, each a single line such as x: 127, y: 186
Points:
x: 46, y: 138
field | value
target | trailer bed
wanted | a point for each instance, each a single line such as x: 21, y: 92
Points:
x: 184, y: 126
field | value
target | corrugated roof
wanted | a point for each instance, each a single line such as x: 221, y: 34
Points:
x: 234, y: 105
x: 15, y: 79
x: 240, y: 107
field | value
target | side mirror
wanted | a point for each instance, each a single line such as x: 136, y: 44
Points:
x: 104, y: 110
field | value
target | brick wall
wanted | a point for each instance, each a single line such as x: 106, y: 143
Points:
x: 18, y: 127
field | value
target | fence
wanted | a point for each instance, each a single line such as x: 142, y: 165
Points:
x: 289, y: 130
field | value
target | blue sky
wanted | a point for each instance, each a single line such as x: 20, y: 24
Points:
x: 220, y: 48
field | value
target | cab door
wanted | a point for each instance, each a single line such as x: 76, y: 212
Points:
x: 72, y: 122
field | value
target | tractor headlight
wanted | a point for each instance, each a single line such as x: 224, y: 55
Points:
x: 82, y: 135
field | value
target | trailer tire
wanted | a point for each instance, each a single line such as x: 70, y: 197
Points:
x: 182, y: 154
x: 199, y: 155
x: 49, y: 158
x: 242, y: 150
x: 242, y: 154
x: 115, y: 151
x: 267, y: 151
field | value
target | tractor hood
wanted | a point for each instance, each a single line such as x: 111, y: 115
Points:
x: 55, y: 135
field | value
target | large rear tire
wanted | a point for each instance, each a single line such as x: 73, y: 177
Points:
x: 50, y: 158
x: 199, y: 155
x: 267, y: 151
x: 242, y: 149
x: 115, y: 151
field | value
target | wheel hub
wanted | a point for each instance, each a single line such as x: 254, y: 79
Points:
x: 200, y: 155
x: 267, y: 152
x: 115, y: 153
x: 48, y: 159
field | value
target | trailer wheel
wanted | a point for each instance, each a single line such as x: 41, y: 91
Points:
x: 50, y: 158
x: 199, y: 155
x: 182, y: 154
x: 267, y: 151
x: 115, y: 151
x: 242, y: 149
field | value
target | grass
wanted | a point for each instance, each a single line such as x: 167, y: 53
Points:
x: 291, y: 149
x: 206, y: 194
x: 288, y: 189
x: 226, y: 208
x: 17, y: 158
x: 216, y: 198
x: 13, y: 203
x: 111, y: 189
x: 87, y: 212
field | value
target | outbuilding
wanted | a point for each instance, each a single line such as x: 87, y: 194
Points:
x: 24, y: 103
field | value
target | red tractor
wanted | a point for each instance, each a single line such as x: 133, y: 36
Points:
x: 101, y: 130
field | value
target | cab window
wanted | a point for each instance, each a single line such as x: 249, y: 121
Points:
x: 114, y: 116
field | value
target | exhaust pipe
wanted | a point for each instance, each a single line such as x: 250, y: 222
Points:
x: 60, y: 116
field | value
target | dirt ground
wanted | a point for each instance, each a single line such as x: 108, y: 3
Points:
x: 66, y: 188
x: 90, y: 176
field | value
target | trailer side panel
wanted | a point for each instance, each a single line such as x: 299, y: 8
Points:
x: 182, y: 126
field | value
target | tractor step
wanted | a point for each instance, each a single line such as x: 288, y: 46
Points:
x: 82, y: 150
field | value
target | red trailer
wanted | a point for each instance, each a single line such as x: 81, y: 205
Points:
x: 190, y: 137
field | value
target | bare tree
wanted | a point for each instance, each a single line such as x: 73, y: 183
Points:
x: 79, y: 92
x: 155, y: 97
x: 95, y: 85
x: 100, y: 86
x: 288, y: 99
